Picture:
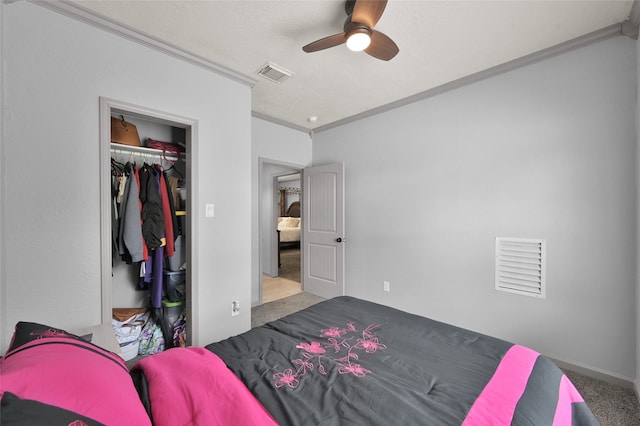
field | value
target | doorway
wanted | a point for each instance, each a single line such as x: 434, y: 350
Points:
x: 287, y: 280
x: 280, y: 249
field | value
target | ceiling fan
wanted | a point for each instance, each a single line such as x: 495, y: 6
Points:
x: 362, y: 16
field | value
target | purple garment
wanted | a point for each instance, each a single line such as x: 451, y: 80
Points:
x: 157, y: 278
x: 157, y: 266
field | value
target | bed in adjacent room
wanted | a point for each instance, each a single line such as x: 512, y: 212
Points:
x: 289, y: 230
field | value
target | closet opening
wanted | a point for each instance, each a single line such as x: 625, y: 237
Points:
x: 147, y: 229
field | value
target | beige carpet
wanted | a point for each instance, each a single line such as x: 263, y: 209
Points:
x: 272, y: 311
x: 612, y: 405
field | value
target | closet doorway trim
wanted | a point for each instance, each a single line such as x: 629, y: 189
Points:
x: 107, y: 107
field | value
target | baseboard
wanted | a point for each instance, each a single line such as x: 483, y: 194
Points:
x: 606, y: 376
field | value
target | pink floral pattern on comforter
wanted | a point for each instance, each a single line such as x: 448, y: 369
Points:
x: 341, y: 348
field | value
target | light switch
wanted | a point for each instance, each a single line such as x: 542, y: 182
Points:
x: 208, y: 211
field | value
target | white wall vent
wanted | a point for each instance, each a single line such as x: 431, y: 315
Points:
x: 274, y: 72
x: 521, y: 266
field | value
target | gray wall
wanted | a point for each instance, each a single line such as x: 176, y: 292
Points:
x: 55, y: 70
x: 546, y: 151
x: 637, y: 383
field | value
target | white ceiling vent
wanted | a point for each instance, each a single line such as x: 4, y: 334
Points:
x: 521, y: 266
x: 274, y: 72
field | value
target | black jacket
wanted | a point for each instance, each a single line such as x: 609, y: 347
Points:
x: 152, y: 216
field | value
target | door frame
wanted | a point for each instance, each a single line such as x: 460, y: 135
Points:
x: 292, y: 168
x: 106, y: 107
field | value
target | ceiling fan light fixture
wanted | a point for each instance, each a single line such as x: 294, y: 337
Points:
x: 358, y: 32
x: 358, y: 40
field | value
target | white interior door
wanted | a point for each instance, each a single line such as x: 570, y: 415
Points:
x: 323, y: 230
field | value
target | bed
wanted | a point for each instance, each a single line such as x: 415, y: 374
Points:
x: 289, y: 230
x: 349, y: 361
x: 289, y: 225
x: 343, y: 361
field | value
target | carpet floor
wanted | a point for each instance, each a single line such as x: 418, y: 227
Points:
x: 612, y: 405
x: 272, y: 311
x: 290, y: 263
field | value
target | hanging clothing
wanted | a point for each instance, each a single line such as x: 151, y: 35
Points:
x: 126, y: 227
x: 130, y: 227
x: 136, y: 172
x: 172, y: 183
x: 154, y: 265
x: 146, y: 223
x: 122, y: 212
x: 166, y: 212
x: 115, y: 211
x: 152, y: 215
x: 177, y: 224
x: 157, y: 276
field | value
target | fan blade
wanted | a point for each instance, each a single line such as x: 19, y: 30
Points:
x: 368, y: 12
x: 325, y: 43
x: 382, y: 47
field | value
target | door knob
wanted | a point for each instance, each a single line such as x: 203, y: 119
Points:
x: 339, y: 240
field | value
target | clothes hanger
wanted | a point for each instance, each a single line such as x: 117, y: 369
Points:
x: 117, y: 166
x: 173, y: 167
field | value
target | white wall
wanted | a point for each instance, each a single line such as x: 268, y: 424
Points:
x: 546, y: 151
x: 56, y: 68
x: 275, y: 149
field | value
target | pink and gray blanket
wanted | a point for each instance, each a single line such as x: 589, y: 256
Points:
x: 347, y: 361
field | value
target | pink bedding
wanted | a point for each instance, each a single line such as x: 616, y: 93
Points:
x: 509, y: 383
x: 193, y: 386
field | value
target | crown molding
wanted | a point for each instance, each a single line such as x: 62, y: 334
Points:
x: 590, y: 38
x: 274, y: 120
x: 629, y: 28
x: 631, y: 25
x: 87, y: 16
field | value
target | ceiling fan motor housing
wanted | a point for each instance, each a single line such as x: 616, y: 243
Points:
x: 348, y: 6
x: 355, y: 27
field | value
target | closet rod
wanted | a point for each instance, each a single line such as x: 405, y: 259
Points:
x: 144, y: 152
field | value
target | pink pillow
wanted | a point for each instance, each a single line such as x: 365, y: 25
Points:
x: 57, y: 368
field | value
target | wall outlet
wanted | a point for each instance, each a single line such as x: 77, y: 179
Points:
x: 385, y: 286
x: 235, y: 308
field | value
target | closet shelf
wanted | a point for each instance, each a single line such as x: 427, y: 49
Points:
x: 142, y: 151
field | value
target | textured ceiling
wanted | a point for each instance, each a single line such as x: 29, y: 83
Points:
x: 440, y: 41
